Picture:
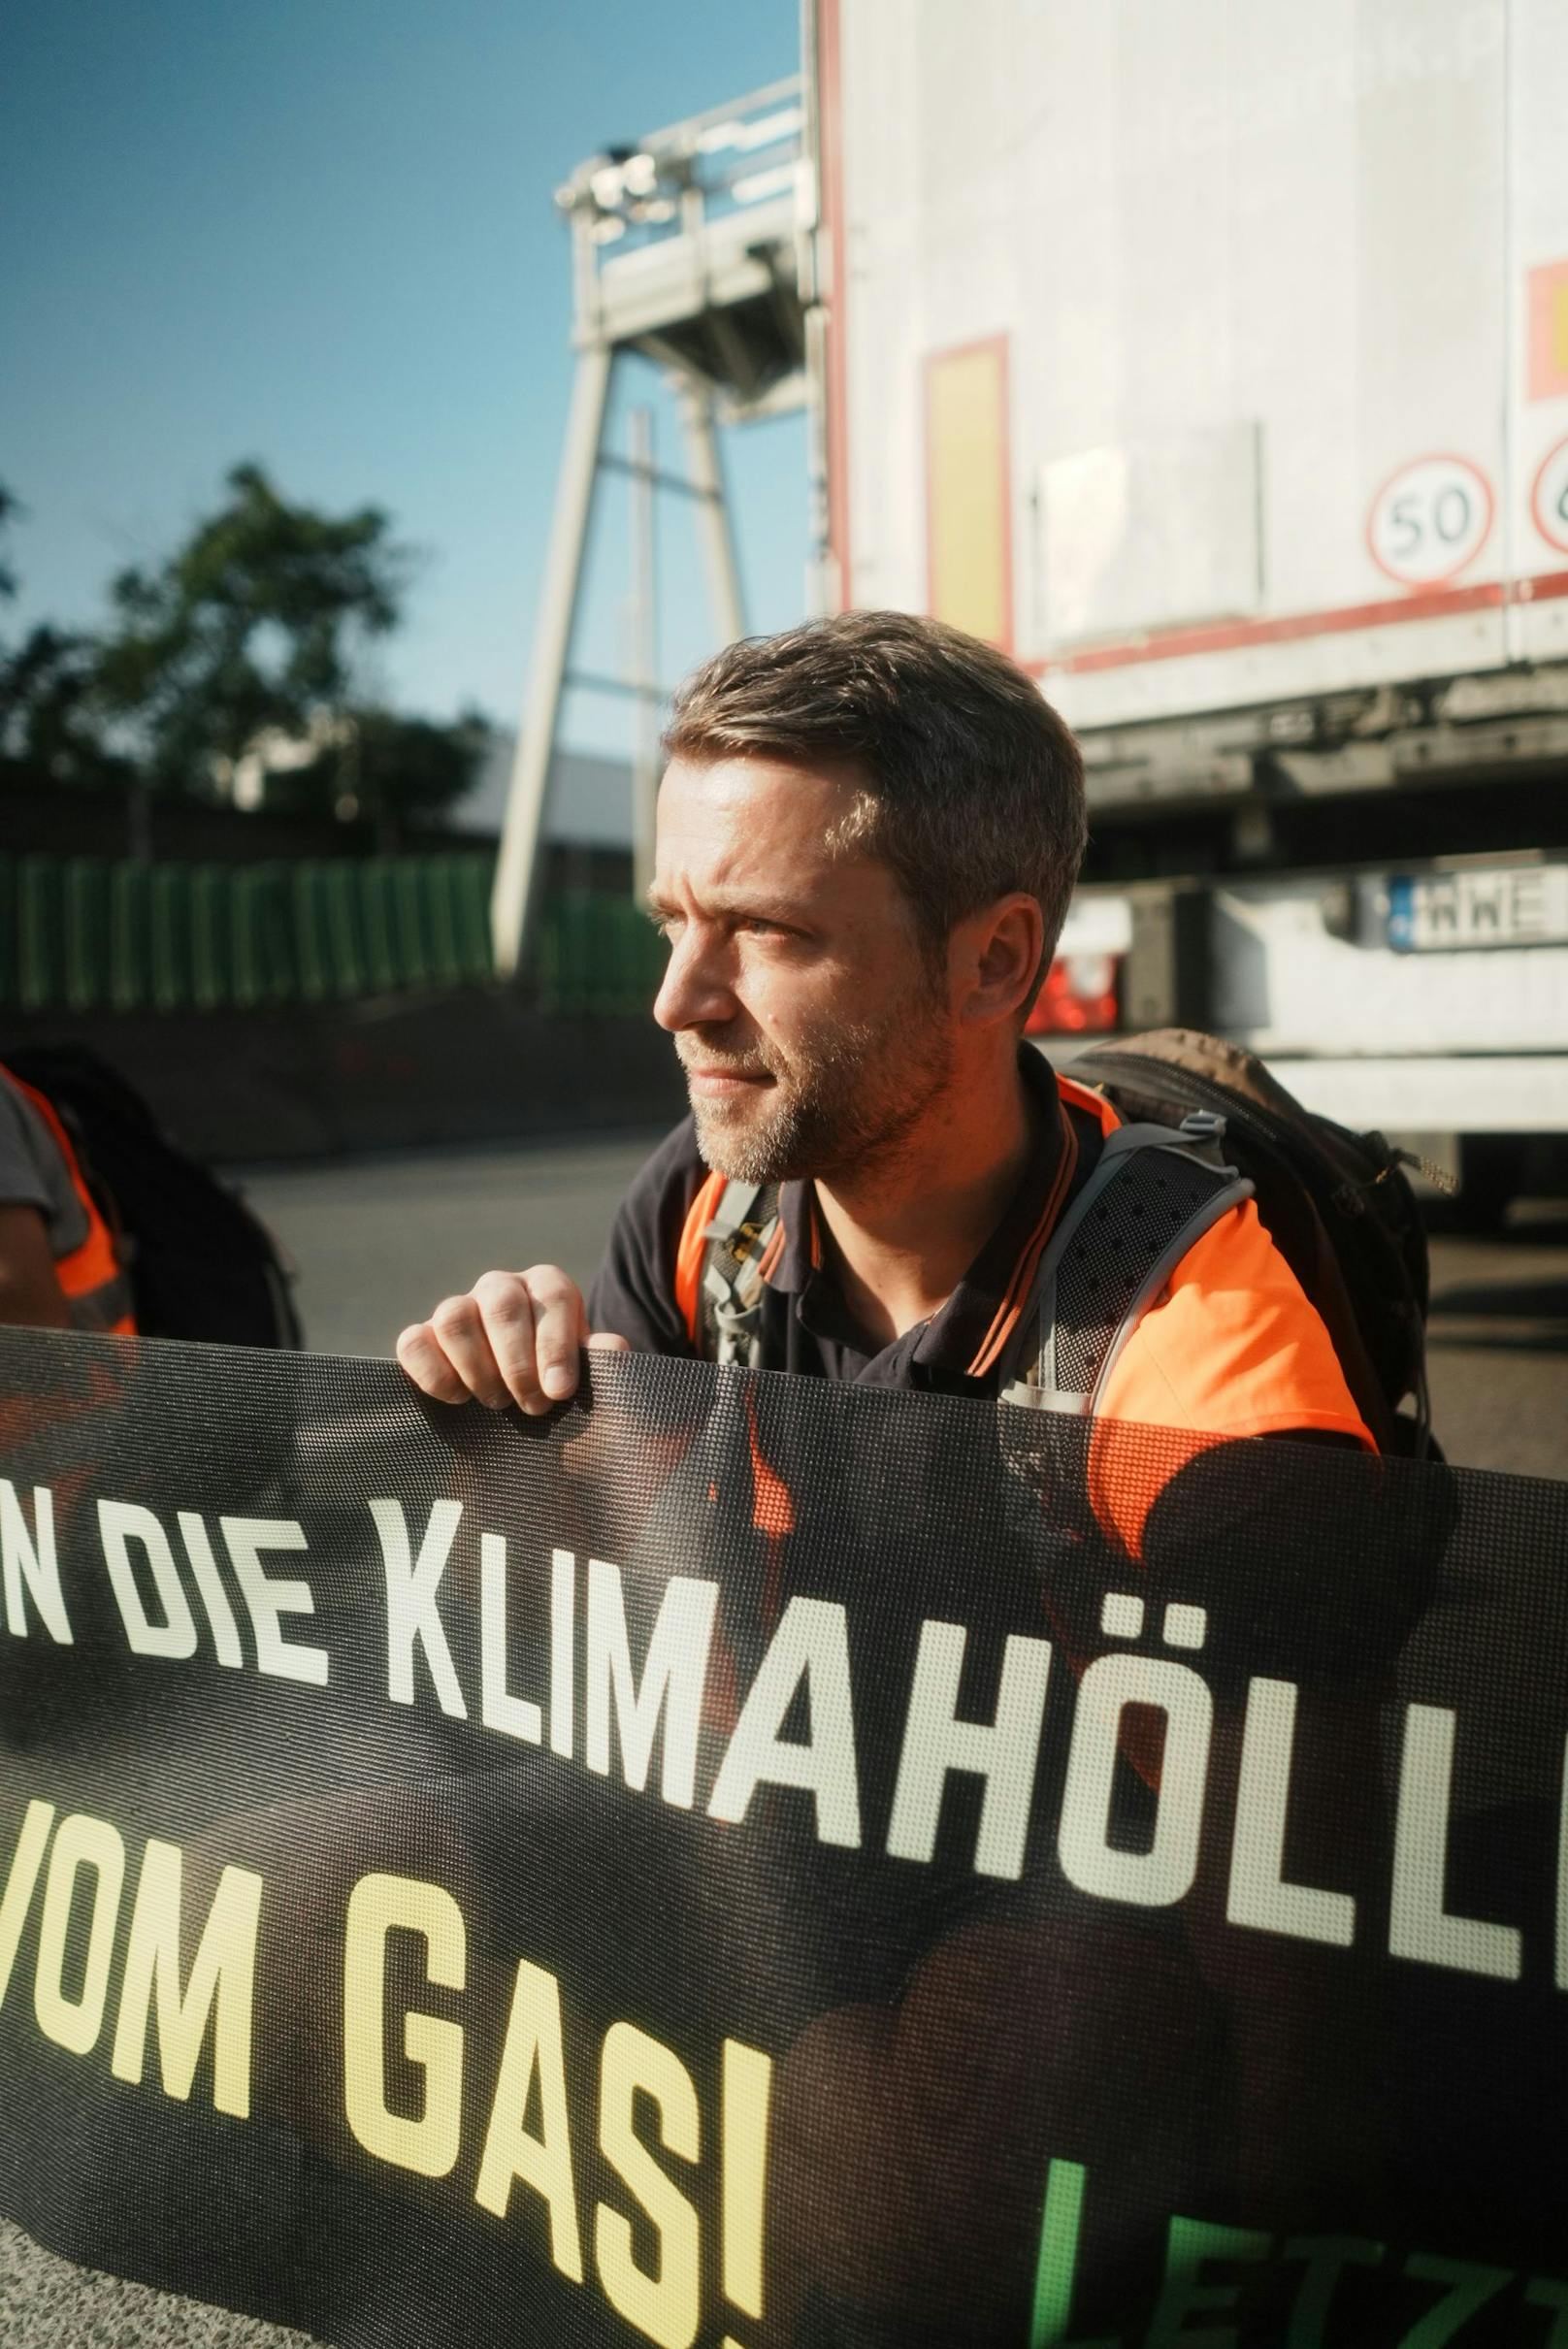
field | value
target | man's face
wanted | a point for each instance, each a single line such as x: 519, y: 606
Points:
x: 814, y: 1034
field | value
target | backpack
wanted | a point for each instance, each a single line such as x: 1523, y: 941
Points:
x: 1337, y: 1205
x: 1205, y: 1126
x: 201, y: 1264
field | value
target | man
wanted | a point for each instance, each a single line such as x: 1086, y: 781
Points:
x: 868, y: 833
x: 60, y: 1264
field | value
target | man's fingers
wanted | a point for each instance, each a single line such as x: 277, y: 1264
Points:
x: 419, y: 1351
x: 560, y: 1327
x: 506, y: 1314
x: 514, y: 1338
x: 459, y: 1329
x: 608, y: 1341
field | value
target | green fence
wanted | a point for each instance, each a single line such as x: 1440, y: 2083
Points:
x: 83, y: 933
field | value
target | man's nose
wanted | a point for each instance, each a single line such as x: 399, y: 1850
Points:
x: 697, y: 991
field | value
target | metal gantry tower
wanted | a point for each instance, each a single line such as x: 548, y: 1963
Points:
x: 692, y: 251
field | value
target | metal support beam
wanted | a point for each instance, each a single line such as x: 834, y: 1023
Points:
x: 612, y: 463
x: 511, y: 901
x: 644, y: 646
x: 594, y: 681
x: 706, y: 468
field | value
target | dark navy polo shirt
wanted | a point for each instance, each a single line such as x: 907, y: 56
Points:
x: 806, y: 1326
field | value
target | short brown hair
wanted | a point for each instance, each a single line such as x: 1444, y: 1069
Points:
x: 975, y: 786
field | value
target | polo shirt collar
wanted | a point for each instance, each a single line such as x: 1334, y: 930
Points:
x: 972, y: 1326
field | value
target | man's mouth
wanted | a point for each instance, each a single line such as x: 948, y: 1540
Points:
x: 716, y: 1083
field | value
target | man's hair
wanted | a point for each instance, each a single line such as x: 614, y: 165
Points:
x: 973, y: 786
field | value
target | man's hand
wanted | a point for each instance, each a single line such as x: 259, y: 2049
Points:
x: 512, y: 1339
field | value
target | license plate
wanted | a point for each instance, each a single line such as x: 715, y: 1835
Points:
x: 1510, y: 905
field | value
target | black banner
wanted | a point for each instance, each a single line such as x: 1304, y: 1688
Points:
x: 750, y: 1862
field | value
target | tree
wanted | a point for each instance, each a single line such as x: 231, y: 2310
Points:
x: 9, y: 509
x: 381, y: 767
x: 52, y: 726
x: 253, y: 626
x: 229, y: 672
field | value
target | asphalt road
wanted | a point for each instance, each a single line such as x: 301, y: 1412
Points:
x: 1497, y: 1343
x: 376, y: 1243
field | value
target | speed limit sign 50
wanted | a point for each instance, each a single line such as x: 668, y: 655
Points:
x: 1429, y: 519
x: 1548, y: 498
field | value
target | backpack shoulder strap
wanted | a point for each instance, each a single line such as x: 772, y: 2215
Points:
x: 1155, y: 1192
x: 739, y: 1229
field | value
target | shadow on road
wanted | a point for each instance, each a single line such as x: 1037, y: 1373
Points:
x: 1529, y: 1223
x: 1524, y: 1312
x: 1521, y: 1319
x: 1506, y: 1291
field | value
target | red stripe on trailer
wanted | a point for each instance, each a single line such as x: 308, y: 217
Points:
x: 1236, y: 635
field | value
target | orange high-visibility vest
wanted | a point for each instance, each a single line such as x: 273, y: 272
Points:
x: 94, y: 1280
x: 1231, y: 1347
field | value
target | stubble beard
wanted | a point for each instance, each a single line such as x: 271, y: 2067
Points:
x: 846, y: 1104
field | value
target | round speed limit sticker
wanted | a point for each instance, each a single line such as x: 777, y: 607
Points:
x: 1548, y: 498
x: 1429, y: 519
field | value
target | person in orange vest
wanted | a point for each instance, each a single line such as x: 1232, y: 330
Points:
x: 868, y: 837
x: 60, y: 1264
x: 868, y: 831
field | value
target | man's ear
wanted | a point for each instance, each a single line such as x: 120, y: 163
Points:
x: 1001, y: 957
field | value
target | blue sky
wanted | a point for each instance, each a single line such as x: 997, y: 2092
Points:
x: 321, y: 232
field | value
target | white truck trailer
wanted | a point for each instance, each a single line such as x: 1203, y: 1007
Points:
x: 1211, y: 356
